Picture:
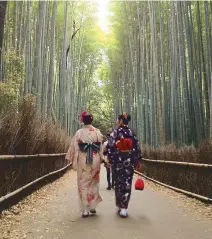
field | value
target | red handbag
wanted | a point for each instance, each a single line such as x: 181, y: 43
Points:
x: 139, y: 184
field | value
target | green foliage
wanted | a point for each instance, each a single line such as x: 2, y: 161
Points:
x: 10, y: 87
x: 100, y: 102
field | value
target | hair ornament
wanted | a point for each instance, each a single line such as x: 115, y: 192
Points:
x: 82, y: 115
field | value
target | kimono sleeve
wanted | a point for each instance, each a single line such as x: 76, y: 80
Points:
x: 100, y: 139
x: 137, y: 150
x: 73, y: 152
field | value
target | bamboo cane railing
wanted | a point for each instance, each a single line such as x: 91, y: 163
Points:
x: 190, y: 194
x: 199, y: 165
x: 189, y: 178
x: 9, y: 195
x: 20, y: 163
x: 9, y: 157
x: 21, y: 171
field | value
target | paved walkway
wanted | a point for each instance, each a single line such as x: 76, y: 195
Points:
x: 151, y: 216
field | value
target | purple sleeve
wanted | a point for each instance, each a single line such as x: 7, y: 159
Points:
x: 137, y: 150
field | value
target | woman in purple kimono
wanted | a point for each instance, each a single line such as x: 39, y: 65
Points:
x: 124, y: 154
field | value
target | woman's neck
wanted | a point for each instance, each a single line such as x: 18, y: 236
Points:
x: 88, y: 126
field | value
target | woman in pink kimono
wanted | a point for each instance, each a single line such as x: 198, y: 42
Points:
x: 85, y: 153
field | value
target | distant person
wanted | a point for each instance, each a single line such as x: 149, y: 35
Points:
x: 84, y: 153
x: 108, y: 166
x: 124, y: 154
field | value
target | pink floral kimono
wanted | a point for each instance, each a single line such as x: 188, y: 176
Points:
x: 87, y: 174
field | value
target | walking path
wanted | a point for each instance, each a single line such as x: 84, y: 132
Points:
x: 52, y: 213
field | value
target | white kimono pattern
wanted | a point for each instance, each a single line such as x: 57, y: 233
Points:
x: 87, y: 174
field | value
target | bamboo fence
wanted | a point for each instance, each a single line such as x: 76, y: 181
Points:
x: 198, y: 165
x: 188, y: 177
x: 20, y: 171
x: 194, y: 195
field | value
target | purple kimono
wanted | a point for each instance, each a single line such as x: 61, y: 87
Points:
x: 123, y: 164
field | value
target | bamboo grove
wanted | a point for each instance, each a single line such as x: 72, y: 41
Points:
x: 161, y: 68
x: 154, y: 63
x: 50, y: 51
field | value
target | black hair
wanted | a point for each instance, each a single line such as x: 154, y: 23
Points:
x: 125, y: 118
x: 87, y: 119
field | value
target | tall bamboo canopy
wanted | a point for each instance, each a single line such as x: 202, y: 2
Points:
x: 154, y: 63
x: 161, y: 68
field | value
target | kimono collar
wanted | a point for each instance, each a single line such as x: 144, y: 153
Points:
x: 124, y: 126
x: 88, y: 126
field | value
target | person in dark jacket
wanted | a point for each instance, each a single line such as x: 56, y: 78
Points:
x: 110, y: 178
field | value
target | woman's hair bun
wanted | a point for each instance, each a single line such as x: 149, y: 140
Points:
x: 125, y: 117
x: 128, y: 117
x: 86, y: 117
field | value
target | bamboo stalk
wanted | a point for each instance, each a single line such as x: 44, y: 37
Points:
x: 194, y: 195
x: 8, y: 157
x: 9, y: 195
x: 180, y: 163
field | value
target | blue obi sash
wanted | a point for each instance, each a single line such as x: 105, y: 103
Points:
x: 90, y: 148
